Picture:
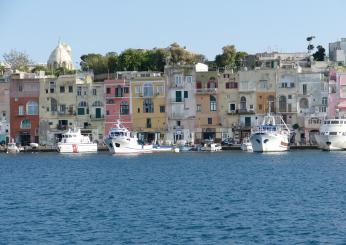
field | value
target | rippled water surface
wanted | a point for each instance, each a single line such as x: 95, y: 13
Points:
x: 192, y: 198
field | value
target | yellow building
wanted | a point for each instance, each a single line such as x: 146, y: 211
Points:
x: 148, y: 102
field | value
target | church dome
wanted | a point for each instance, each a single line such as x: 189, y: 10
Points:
x: 61, y: 57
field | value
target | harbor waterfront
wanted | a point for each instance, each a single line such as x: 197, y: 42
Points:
x: 191, y: 198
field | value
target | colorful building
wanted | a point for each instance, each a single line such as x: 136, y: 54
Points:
x: 24, y: 106
x: 207, y: 123
x: 4, y: 111
x: 148, y: 106
x: 117, y: 97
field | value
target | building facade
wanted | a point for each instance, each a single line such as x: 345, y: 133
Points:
x: 117, y: 97
x: 4, y: 111
x: 24, y: 107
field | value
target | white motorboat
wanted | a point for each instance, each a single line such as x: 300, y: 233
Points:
x: 212, y: 147
x: 332, y: 135
x: 13, y: 148
x: 272, y: 135
x: 74, y: 142
x: 121, y: 141
x: 246, y: 145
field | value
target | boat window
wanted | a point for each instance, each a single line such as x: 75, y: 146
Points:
x: 334, y: 122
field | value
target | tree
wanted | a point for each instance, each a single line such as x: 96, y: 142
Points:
x: 95, y: 62
x: 230, y: 57
x: 178, y: 54
x: 320, y: 54
x: 17, y: 60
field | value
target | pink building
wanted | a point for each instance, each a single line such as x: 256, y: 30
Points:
x: 117, y: 103
x: 337, y: 94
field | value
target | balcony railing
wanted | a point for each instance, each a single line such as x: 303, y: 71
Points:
x: 97, y: 118
x: 206, y: 90
x: 245, y: 111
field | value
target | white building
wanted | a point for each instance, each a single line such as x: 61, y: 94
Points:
x: 337, y: 51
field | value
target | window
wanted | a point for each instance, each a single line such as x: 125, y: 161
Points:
x: 228, y: 85
x: 70, y: 89
x: 20, y: 110
x: 46, y: 91
x: 189, y: 79
x: 260, y: 107
x: 94, y: 91
x: 148, y: 122
x: 263, y: 84
x: 108, y: 90
x: 325, y: 101
x: 53, y: 105
x: 119, y: 91
x: 139, y: 90
x: 107, y: 112
x: 51, y: 90
x: 178, y: 97
x: 186, y: 94
x: 148, y: 90
x: 126, y: 90
x: 162, y: 108
x: 178, y: 79
x: 25, y: 124
x: 247, y: 121
x: 198, y: 85
x: 243, y: 103
x: 210, y: 120
x: 124, y: 108
x: 32, y: 108
x: 292, y: 85
x: 305, y: 89
x: 110, y: 101
x: 199, y: 108
x: 212, y: 103
x: 62, y: 89
x: 20, y: 87
x: 232, y: 107
x: 225, y: 75
x: 282, y: 103
x: 79, y: 91
x: 148, y: 106
x: 271, y: 103
x: 62, y: 108
x: 82, y: 110
x: 97, y: 103
x: 289, y: 107
x: 178, y: 123
x: 289, y: 96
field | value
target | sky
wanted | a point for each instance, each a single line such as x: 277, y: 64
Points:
x: 101, y: 26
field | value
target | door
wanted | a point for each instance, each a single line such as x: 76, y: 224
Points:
x: 98, y: 112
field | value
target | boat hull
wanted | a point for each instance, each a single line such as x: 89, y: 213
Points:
x: 76, y: 148
x: 121, y: 146
x: 266, y: 142
x: 331, y: 142
x: 246, y: 147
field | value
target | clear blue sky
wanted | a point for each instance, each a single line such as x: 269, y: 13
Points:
x: 98, y: 26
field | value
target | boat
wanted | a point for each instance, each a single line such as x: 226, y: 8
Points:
x: 332, y: 135
x: 13, y: 148
x: 73, y: 141
x: 270, y: 136
x: 162, y: 148
x: 121, y: 141
x: 212, y: 147
x: 246, y: 145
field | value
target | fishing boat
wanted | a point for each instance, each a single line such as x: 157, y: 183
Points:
x: 13, y: 148
x: 332, y: 135
x: 74, y: 142
x: 271, y: 135
x: 121, y: 141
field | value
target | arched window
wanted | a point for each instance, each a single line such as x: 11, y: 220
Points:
x: 212, y: 103
x: 148, y: 90
x: 82, y: 108
x: 304, y: 103
x: 25, y: 124
x: 97, y: 103
x: 242, y: 103
x: 32, y: 108
x: 124, y: 108
x: 282, y: 103
x: 82, y: 104
x: 324, y: 101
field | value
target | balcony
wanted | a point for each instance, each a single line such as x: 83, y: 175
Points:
x: 245, y: 111
x: 64, y: 113
x: 206, y: 90
x: 177, y: 115
x: 174, y: 100
x: 97, y: 118
x: 61, y: 127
